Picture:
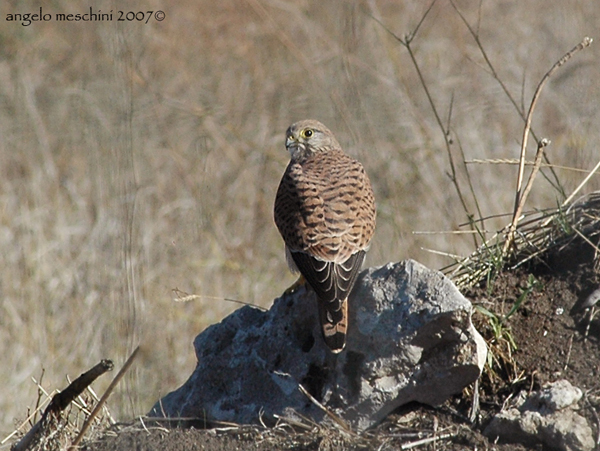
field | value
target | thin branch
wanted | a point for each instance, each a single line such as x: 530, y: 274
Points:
x: 519, y: 195
x: 585, y: 180
x: 414, y: 33
x: 102, y: 401
x: 586, y: 239
x: 60, y: 402
x: 487, y: 60
x: 520, y: 109
x: 514, y: 161
x: 428, y: 440
x: 472, y: 189
x: 521, y: 200
x: 406, y: 42
x: 327, y: 412
x: 453, y: 177
x: 410, y: 36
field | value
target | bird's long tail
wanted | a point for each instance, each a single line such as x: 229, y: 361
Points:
x: 334, y: 323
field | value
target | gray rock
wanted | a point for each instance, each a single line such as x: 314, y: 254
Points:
x: 554, y: 396
x: 547, y: 416
x: 589, y: 302
x: 410, y: 338
x: 592, y: 299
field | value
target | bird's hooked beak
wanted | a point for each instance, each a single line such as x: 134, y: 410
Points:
x: 290, y: 141
x: 295, y: 147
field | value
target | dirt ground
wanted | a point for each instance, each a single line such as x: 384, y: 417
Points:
x: 549, y: 334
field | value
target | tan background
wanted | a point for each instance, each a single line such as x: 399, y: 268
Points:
x: 139, y: 158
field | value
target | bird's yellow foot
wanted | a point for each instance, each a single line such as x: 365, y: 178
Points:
x: 297, y: 284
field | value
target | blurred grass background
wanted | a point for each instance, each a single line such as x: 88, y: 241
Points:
x: 139, y: 158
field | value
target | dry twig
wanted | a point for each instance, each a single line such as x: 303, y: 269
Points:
x: 107, y: 393
x: 537, y: 233
x: 337, y: 420
x: 521, y: 196
x: 445, y: 129
x: 60, y: 402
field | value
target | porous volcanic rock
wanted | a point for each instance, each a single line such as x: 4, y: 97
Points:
x: 410, y: 338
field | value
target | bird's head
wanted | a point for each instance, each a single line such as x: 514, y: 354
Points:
x: 309, y: 137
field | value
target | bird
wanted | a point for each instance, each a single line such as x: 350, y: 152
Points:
x: 325, y: 212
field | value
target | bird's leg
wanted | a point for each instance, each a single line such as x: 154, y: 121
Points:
x: 297, y: 284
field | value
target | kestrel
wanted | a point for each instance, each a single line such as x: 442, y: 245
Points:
x: 325, y: 212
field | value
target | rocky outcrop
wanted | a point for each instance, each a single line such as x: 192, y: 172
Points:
x: 548, y: 416
x: 410, y: 338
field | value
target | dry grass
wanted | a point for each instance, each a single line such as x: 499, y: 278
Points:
x: 538, y: 232
x: 55, y: 424
x: 136, y: 159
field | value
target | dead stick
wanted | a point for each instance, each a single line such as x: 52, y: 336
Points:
x: 61, y: 401
x: 513, y: 226
x: 517, y: 213
x: 105, y: 396
x: 334, y: 417
x: 568, y: 359
x: 425, y: 441
x: 585, y: 180
x: 583, y: 44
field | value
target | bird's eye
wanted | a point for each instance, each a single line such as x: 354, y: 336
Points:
x: 307, y: 133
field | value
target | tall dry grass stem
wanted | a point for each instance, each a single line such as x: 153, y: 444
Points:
x: 521, y: 197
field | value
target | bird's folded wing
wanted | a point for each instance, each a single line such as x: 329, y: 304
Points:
x: 331, y: 281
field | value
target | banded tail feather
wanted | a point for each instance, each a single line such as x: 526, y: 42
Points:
x: 334, y: 324
x: 332, y: 283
